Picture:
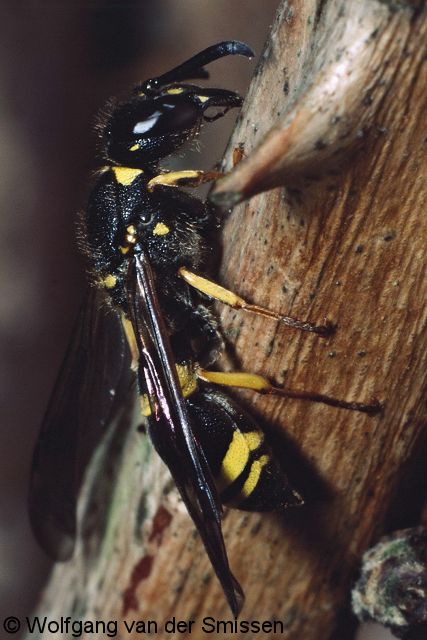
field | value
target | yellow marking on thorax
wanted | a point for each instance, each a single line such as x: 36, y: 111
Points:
x: 187, y: 381
x: 160, y: 229
x: 131, y: 234
x: 254, y: 476
x: 203, y: 98
x: 109, y: 281
x: 175, y: 90
x: 134, y: 147
x: 126, y: 175
x: 130, y: 239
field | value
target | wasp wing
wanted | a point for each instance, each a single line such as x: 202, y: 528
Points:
x: 172, y: 435
x: 93, y: 380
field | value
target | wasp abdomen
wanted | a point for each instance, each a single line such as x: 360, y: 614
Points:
x: 246, y: 474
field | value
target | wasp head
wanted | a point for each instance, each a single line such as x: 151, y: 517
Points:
x: 163, y: 112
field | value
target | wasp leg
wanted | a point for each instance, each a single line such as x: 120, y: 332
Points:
x: 262, y: 385
x: 233, y: 300
x: 131, y: 340
x: 185, y: 178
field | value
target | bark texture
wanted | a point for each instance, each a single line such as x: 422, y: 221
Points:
x: 336, y: 113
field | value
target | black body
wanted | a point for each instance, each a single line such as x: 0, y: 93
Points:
x: 136, y: 239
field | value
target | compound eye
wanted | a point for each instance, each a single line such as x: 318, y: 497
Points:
x: 143, y: 126
x: 148, y: 129
x: 165, y: 115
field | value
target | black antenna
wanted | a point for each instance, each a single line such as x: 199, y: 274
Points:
x: 193, y: 68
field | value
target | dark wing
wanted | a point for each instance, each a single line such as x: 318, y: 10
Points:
x: 173, y: 436
x: 93, y: 380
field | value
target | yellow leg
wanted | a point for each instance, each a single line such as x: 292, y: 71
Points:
x: 187, y: 178
x: 228, y: 297
x: 260, y: 384
x: 131, y: 340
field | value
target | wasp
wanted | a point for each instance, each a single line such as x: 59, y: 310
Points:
x: 149, y: 246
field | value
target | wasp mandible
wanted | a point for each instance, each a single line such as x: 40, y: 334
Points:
x: 149, y: 246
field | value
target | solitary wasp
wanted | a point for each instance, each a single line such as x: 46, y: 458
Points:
x: 149, y: 246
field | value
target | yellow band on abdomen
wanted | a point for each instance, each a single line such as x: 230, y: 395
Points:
x: 187, y: 380
x: 253, y: 477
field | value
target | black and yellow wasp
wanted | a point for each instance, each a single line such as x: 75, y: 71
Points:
x: 150, y: 247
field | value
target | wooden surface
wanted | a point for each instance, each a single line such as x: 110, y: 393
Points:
x: 349, y: 246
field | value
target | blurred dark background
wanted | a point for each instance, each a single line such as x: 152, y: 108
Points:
x: 59, y: 62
